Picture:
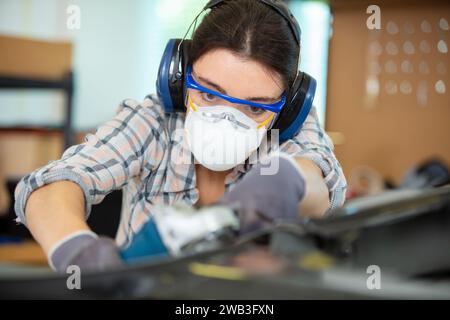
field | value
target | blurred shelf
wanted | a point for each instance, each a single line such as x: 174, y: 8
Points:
x: 27, y: 252
x: 32, y: 129
x: 12, y: 82
x: 66, y: 84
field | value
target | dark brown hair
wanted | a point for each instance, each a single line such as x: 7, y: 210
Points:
x: 252, y: 30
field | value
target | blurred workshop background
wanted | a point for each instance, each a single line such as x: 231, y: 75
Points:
x: 383, y: 85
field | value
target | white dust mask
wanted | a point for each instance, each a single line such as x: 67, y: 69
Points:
x: 221, y: 137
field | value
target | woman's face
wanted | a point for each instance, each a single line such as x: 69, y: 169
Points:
x: 223, y: 71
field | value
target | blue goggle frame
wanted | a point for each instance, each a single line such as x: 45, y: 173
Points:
x: 192, y: 84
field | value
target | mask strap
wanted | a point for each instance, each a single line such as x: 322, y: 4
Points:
x: 191, y: 104
x: 265, y: 121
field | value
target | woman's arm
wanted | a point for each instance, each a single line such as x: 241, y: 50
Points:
x: 55, y: 211
x: 54, y: 201
x: 316, y: 200
x: 325, y: 180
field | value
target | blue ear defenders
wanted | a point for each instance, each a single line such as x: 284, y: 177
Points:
x: 171, y: 90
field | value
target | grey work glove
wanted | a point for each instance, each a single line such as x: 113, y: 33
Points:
x: 86, y: 250
x: 260, y: 200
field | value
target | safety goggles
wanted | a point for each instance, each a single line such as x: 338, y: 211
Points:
x: 192, y: 84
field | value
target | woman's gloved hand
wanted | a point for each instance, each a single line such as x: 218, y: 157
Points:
x: 260, y: 200
x: 86, y: 250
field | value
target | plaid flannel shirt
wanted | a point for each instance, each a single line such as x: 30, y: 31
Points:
x: 142, y: 151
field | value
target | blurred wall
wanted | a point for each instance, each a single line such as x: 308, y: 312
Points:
x: 117, y: 52
x: 389, y: 89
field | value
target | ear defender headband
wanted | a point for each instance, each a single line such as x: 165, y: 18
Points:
x: 172, y: 70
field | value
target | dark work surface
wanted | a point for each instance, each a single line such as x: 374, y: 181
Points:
x: 407, y: 237
x: 243, y: 271
x: 104, y: 218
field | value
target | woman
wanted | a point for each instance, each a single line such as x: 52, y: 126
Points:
x: 244, y: 50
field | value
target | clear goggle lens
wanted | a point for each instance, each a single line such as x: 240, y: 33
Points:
x: 203, y: 99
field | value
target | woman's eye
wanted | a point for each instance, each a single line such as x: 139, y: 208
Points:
x: 256, y: 110
x: 208, y: 96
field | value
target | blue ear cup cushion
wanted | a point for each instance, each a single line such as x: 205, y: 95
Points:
x: 297, y: 108
x: 162, y: 82
x: 170, y: 81
x: 181, y: 89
